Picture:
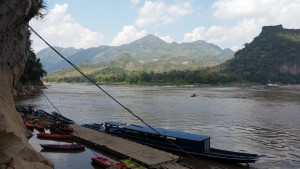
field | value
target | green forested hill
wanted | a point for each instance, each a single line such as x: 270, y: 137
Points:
x: 152, y: 54
x: 51, y: 60
x: 273, y: 56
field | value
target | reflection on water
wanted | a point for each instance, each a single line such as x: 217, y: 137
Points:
x: 239, y: 119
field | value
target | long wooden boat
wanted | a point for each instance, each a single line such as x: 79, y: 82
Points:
x: 106, y: 163
x: 63, y: 146
x: 54, y: 136
x: 198, y: 145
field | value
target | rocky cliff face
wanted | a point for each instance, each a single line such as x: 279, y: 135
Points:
x: 273, y: 56
x: 15, y: 151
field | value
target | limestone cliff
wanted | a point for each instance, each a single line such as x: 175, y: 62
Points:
x: 273, y: 56
x: 15, y: 151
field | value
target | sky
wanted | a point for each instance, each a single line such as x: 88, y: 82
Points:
x: 226, y: 23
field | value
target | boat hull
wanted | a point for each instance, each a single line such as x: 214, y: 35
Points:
x: 54, y: 136
x: 106, y: 163
x: 39, y: 126
x: 182, y: 142
x: 229, y: 156
x: 29, y: 124
x: 63, y: 146
x: 216, y: 154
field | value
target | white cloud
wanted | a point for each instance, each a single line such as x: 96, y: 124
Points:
x: 59, y: 29
x: 196, y: 34
x: 223, y: 36
x: 250, y: 16
x: 128, y: 34
x: 167, y: 39
x: 157, y: 12
x: 273, y: 11
x: 134, y: 1
x: 230, y: 9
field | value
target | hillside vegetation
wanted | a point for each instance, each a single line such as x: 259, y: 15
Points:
x: 146, y: 54
x: 272, y: 57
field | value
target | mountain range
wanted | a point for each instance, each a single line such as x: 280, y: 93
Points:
x: 272, y: 57
x: 149, y: 53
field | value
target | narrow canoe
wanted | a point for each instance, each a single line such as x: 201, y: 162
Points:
x: 63, y: 146
x: 101, y: 161
x: 106, y: 163
x: 65, y: 128
x: 54, y: 136
x: 39, y: 126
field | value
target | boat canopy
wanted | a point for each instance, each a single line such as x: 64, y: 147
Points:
x: 168, y: 133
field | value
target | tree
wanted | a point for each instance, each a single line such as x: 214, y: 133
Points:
x: 33, y: 71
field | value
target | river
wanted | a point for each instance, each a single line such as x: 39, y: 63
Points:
x: 254, y: 120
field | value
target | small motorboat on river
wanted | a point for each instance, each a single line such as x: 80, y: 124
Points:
x: 194, y: 144
x: 194, y: 95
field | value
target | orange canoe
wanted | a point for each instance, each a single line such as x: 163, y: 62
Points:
x: 29, y: 124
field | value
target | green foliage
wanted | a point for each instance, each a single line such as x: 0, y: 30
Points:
x: 33, y: 71
x: 147, y: 54
x: 273, y: 56
x: 117, y: 75
x: 268, y: 58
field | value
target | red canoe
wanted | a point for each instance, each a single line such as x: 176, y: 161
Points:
x: 65, y: 128
x: 39, y: 126
x: 54, y: 136
x: 106, y: 163
x: 101, y: 161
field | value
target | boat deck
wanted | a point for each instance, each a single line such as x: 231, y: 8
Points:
x: 147, y: 156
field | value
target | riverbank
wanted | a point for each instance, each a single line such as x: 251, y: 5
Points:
x: 244, y: 84
x: 27, y: 89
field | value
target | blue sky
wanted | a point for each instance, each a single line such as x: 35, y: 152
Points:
x: 226, y: 23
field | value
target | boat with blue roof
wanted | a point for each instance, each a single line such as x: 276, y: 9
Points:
x: 193, y: 144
